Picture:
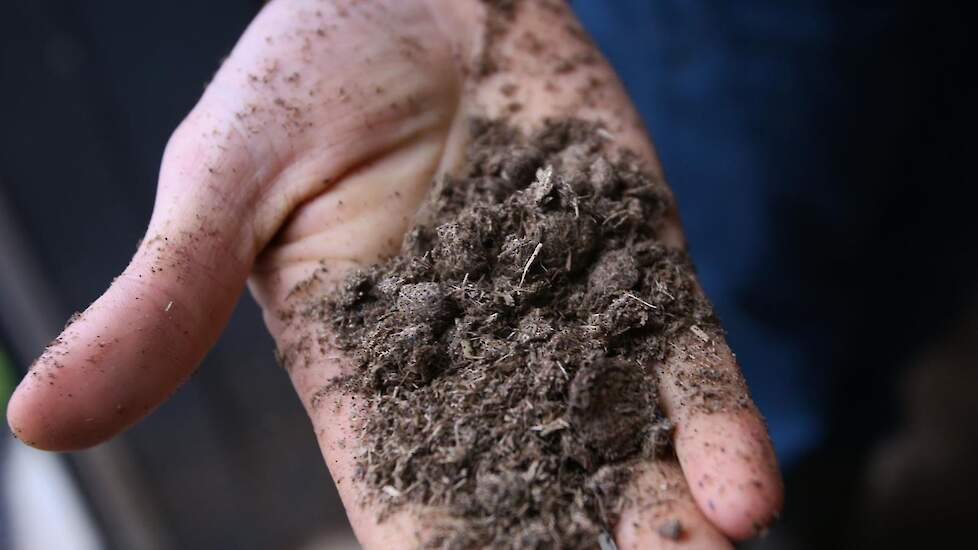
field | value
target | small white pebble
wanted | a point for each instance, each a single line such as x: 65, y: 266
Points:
x: 605, y: 542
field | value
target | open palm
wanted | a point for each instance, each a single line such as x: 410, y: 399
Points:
x: 313, y: 147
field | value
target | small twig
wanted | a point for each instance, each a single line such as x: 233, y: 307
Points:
x: 641, y: 301
x: 614, y: 215
x: 526, y: 268
x: 463, y: 286
x: 561, y: 367
x: 503, y: 358
x: 605, y: 542
x: 551, y: 427
x: 699, y: 333
x: 662, y: 288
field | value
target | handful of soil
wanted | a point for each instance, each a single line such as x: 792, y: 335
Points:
x: 505, y: 357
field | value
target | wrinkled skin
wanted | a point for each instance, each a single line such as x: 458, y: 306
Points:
x: 316, y: 142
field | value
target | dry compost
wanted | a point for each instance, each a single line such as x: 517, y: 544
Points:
x: 505, y: 358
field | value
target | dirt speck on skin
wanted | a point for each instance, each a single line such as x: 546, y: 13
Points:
x: 499, y: 17
x: 671, y: 530
x: 504, y: 360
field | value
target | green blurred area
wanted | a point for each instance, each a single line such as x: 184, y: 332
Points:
x: 6, y: 380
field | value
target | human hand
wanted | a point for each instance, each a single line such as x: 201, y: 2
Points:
x: 316, y: 142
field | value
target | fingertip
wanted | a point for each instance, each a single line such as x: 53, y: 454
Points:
x: 20, y: 421
x: 732, y: 471
x: 116, y: 362
x: 36, y: 420
x: 67, y: 402
x: 664, y: 516
x: 721, y: 441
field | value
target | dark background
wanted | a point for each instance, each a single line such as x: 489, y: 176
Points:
x: 822, y: 155
x: 90, y: 93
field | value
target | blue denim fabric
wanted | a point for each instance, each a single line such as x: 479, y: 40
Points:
x: 821, y: 154
x: 729, y: 107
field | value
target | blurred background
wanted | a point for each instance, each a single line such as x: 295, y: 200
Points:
x: 822, y: 156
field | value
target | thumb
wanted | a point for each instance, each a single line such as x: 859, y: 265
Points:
x: 129, y: 351
x: 261, y: 141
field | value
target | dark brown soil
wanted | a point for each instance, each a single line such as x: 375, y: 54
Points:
x: 505, y: 358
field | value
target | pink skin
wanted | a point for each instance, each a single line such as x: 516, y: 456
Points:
x: 316, y: 141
